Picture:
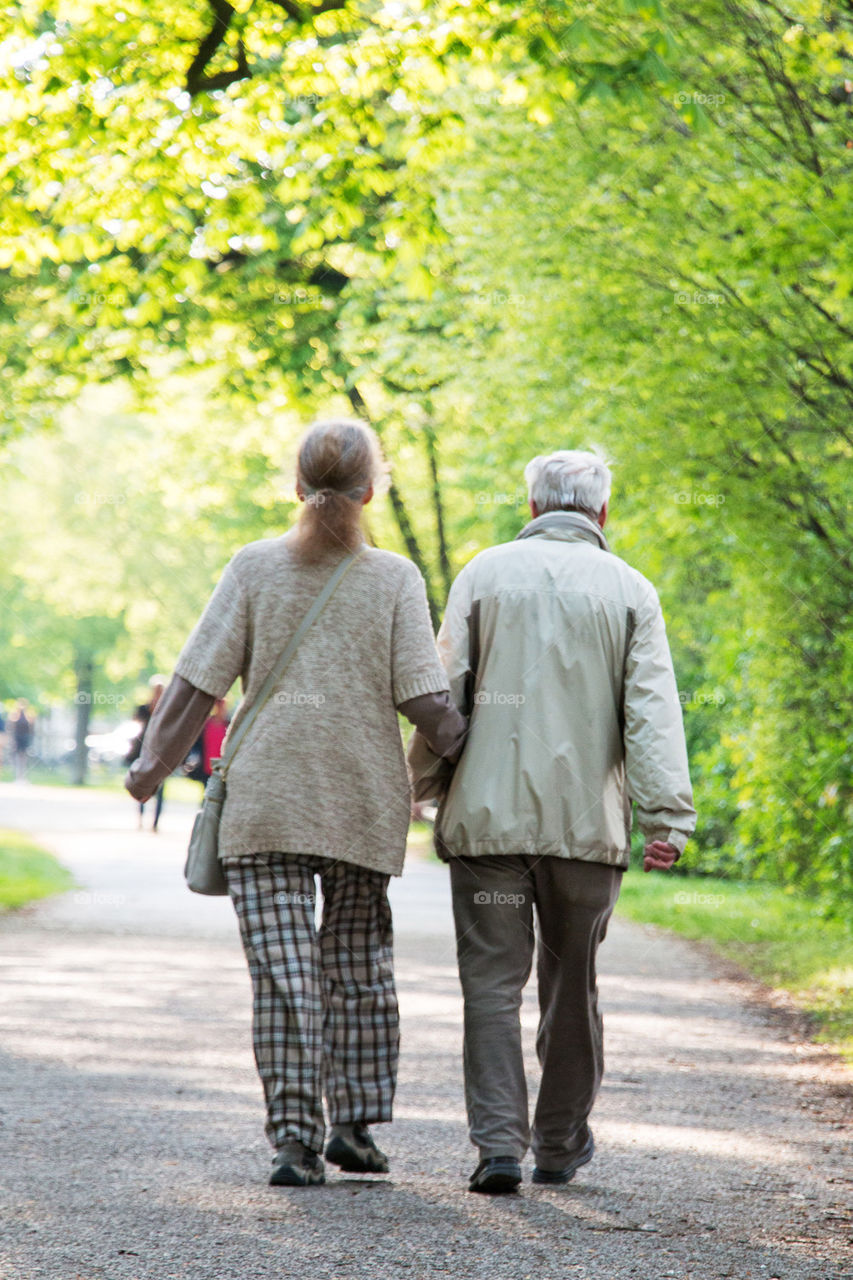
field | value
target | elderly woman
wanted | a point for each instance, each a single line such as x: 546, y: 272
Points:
x: 318, y: 790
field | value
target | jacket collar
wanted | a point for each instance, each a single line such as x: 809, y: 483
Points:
x: 565, y: 526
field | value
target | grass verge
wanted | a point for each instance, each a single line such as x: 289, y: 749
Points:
x: 28, y: 872
x: 784, y: 939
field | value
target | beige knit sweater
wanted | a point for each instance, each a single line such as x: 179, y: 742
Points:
x: 321, y: 771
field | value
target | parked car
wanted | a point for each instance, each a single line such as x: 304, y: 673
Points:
x: 112, y: 747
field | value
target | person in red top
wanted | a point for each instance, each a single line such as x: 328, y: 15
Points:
x: 208, y: 745
x: 212, y: 736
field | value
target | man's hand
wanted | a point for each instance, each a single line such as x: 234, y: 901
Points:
x: 659, y: 856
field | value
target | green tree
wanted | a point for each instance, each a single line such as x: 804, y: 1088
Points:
x: 491, y: 229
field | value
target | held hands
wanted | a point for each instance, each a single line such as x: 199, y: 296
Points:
x: 659, y: 856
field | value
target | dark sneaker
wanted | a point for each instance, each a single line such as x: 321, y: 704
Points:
x: 557, y: 1177
x: 354, y: 1151
x: 296, y: 1166
x: 496, y: 1175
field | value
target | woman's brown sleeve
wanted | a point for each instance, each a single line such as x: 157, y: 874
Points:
x: 178, y: 719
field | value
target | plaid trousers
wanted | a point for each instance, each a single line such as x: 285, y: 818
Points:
x: 325, y: 1006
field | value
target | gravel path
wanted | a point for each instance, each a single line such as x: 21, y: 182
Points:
x: 132, y: 1145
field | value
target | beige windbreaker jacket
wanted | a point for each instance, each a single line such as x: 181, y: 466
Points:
x: 559, y: 650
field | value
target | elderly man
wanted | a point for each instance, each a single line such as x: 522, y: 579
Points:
x: 558, y: 649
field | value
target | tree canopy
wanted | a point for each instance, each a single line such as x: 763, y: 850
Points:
x: 492, y: 230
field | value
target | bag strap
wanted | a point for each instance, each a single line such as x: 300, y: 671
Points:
x: 265, y: 691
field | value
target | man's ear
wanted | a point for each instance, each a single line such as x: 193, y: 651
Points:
x: 368, y: 495
x: 534, y: 510
x: 602, y: 516
x: 300, y: 492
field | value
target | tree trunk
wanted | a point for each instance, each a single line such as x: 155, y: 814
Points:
x: 438, y: 506
x: 401, y: 515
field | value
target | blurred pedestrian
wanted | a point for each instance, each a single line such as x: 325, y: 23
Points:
x: 213, y: 736
x: 22, y: 728
x: 142, y: 716
x: 208, y: 745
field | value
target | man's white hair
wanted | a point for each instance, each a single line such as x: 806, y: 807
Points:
x: 569, y: 479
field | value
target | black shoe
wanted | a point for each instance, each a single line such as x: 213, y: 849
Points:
x: 354, y: 1151
x: 557, y: 1177
x: 496, y: 1175
x: 296, y: 1166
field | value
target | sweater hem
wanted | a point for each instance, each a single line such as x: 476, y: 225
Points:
x: 392, y: 865
x: 435, y: 683
x: 200, y: 678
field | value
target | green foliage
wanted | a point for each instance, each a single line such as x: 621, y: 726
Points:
x: 679, y: 297
x: 115, y: 528
x: 494, y: 230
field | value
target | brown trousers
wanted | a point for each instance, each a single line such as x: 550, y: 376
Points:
x: 493, y: 902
